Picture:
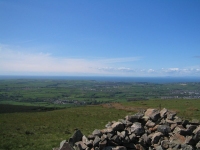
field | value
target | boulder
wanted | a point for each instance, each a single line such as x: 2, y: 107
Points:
x: 137, y: 128
x: 164, y: 129
x: 117, y: 126
x: 154, y: 114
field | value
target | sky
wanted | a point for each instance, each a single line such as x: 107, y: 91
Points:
x: 135, y: 38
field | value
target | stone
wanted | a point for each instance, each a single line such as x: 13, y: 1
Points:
x: 80, y: 145
x: 77, y: 136
x: 180, y: 129
x: 96, y: 132
x: 156, y: 137
x: 163, y: 112
x: 122, y: 121
x: 84, y: 139
x: 117, y: 126
x: 131, y: 119
x: 122, y: 134
x: 89, y: 143
x: 178, y: 120
x: 171, y: 115
x: 164, y: 129
x: 167, y: 132
x: 195, y: 122
x: 119, y: 148
x: 96, y: 141
x: 185, y: 123
x: 104, y: 137
x: 102, y: 144
x: 108, y: 148
x: 189, y: 140
x: 154, y: 114
x: 91, y: 137
x: 187, y: 147
x: 165, y: 144
x: 137, y: 128
x: 132, y: 137
x: 66, y: 146
x: 179, y: 139
x: 190, y: 128
x: 116, y: 139
x: 108, y: 124
x: 198, y: 145
x: 150, y: 124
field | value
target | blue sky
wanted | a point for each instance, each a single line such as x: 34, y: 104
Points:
x: 100, y: 38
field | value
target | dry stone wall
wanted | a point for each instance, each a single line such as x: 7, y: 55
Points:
x: 151, y: 130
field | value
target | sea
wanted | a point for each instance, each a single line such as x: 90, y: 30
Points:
x: 111, y: 78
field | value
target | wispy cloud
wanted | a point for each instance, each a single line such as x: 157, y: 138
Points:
x: 18, y: 62
x: 26, y: 62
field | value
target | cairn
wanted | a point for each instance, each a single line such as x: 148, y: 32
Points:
x: 151, y: 130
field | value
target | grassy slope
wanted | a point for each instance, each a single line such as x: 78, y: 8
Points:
x: 185, y: 108
x: 44, y: 130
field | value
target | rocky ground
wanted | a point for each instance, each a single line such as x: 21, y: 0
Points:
x: 148, y: 130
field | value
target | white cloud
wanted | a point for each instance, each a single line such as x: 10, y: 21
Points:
x: 26, y: 63
x: 12, y: 62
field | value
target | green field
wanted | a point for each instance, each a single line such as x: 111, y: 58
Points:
x: 39, y: 114
x: 69, y: 93
x: 44, y: 130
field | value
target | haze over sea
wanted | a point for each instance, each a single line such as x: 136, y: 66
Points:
x: 112, y: 79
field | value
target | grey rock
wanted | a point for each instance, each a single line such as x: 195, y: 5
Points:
x: 196, y: 137
x: 163, y: 112
x: 66, y: 146
x: 156, y: 137
x: 165, y: 144
x: 171, y: 115
x: 91, y: 137
x: 150, y: 124
x: 132, y: 137
x: 108, y: 148
x: 137, y: 128
x: 122, y: 134
x: 131, y: 119
x: 108, y: 124
x: 159, y: 147
x: 116, y: 139
x: 159, y: 130
x: 96, y: 141
x: 77, y: 136
x: 89, y: 143
x: 118, y: 126
x: 177, y: 138
x: 104, y: 137
x: 62, y: 143
x: 180, y: 129
x: 102, y: 144
x: 84, y: 139
x: 195, y: 122
x: 96, y: 132
x: 187, y: 147
x: 126, y: 139
x: 80, y: 145
x: 119, y: 148
x: 198, y: 145
x: 190, y: 128
x: 189, y: 140
x: 154, y: 114
x: 164, y: 129
x: 122, y: 121
x: 178, y: 120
